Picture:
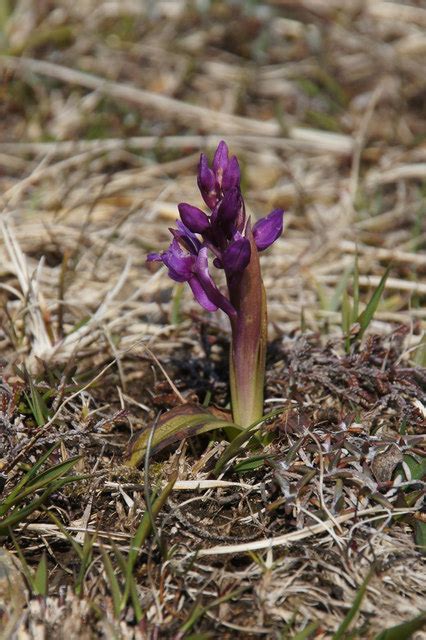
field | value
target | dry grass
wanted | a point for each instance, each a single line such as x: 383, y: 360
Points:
x: 105, y: 108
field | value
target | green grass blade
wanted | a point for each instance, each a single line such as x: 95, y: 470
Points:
x: 113, y: 583
x: 336, y: 300
x: 420, y: 354
x: 24, y: 565
x: 45, y: 479
x: 199, y: 611
x: 346, y: 320
x: 367, y: 315
x: 303, y: 325
x: 307, y: 631
x: 130, y: 586
x: 323, y: 300
x: 420, y: 536
x: 41, y: 577
x: 130, y: 589
x: 142, y: 532
x: 75, y: 545
x: 20, y: 515
x: 37, y: 405
x: 85, y: 560
x: 344, y: 626
x: 26, y: 478
x: 134, y: 597
x: 355, y: 307
x: 145, y: 526
x: 176, y: 312
x: 405, y: 630
x: 236, y: 444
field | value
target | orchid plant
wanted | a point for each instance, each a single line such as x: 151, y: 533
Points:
x: 226, y: 235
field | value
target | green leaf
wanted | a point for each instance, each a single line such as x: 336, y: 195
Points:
x: 344, y: 625
x: 368, y: 314
x: 405, y: 630
x: 180, y: 422
x: 416, y: 469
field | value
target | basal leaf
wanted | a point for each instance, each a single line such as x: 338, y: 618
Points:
x: 180, y: 422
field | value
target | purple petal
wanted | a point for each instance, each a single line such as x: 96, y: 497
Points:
x: 206, y: 181
x: 201, y: 270
x: 236, y: 256
x: 268, y: 229
x: 179, y: 263
x: 231, y: 175
x: 200, y: 295
x: 220, y: 160
x: 193, y: 218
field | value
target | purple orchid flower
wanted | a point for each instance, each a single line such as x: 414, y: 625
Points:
x: 187, y: 261
x: 227, y: 234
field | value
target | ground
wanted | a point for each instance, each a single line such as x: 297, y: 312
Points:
x: 105, y: 109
